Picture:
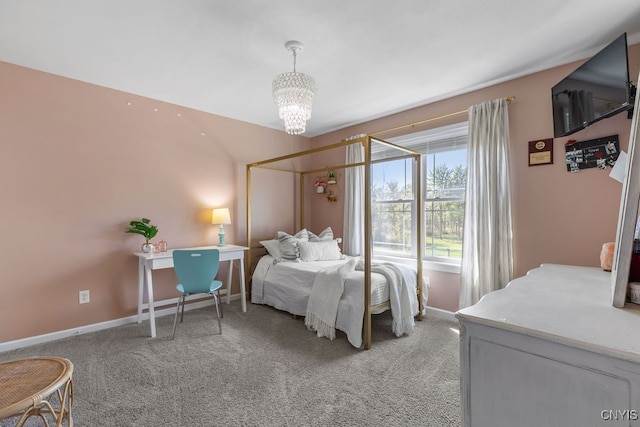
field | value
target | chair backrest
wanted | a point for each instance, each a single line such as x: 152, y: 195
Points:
x: 196, y: 268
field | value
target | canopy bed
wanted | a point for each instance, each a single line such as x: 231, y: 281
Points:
x: 294, y: 280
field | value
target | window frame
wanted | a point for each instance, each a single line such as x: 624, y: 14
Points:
x: 458, y: 131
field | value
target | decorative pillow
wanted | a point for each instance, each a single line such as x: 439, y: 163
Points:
x: 326, y: 234
x: 289, y: 244
x: 324, y: 250
x: 272, y: 247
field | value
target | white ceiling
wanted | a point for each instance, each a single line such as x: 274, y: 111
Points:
x: 370, y: 58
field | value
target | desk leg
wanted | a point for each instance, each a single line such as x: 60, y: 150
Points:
x: 140, y: 288
x: 152, y: 314
x: 243, y: 297
x: 229, y: 277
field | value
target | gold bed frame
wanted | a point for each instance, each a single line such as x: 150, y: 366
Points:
x: 366, y: 140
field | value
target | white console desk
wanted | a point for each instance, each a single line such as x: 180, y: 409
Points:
x: 550, y: 350
x: 147, y: 262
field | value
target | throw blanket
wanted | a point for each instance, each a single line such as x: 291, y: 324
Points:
x: 322, y: 308
x: 404, y: 303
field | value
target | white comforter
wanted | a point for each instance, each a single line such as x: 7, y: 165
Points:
x: 287, y: 286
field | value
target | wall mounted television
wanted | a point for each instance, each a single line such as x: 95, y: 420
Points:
x: 598, y: 89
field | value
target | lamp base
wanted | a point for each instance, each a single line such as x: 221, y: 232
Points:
x: 221, y: 239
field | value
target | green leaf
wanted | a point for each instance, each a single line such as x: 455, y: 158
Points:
x: 143, y: 228
x: 152, y: 232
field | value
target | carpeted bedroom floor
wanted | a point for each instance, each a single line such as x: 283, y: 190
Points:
x: 265, y: 369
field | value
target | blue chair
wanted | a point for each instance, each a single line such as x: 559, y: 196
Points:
x: 196, y: 270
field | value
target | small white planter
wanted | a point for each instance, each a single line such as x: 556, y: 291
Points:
x: 147, y: 248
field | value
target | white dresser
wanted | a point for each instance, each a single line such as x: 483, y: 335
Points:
x: 550, y: 350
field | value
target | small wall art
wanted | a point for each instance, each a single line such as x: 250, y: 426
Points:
x: 594, y: 153
x: 541, y: 152
x: 320, y: 185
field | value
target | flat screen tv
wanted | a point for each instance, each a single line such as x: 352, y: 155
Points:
x: 599, y: 88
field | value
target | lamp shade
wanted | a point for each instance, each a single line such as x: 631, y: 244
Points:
x: 221, y: 216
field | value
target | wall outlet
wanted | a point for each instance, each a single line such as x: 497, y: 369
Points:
x: 427, y: 281
x: 83, y: 297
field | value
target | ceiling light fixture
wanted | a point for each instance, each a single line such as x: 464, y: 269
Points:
x: 294, y: 94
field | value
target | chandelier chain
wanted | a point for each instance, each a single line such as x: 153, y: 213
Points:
x: 294, y: 59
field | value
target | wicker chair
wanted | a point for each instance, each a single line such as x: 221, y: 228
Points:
x: 37, y: 387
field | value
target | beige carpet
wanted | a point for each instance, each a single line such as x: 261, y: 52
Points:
x: 265, y: 369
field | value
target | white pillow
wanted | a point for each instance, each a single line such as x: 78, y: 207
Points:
x: 326, y: 234
x: 272, y: 247
x: 324, y: 250
x: 289, y: 244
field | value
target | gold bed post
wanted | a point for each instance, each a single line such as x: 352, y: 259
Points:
x: 248, y: 219
x: 419, y: 210
x: 301, y: 204
x: 367, y: 242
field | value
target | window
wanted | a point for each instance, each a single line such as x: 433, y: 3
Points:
x: 446, y: 176
x: 392, y: 207
x: 444, y: 168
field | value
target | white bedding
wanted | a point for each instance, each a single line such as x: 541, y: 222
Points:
x: 287, y: 285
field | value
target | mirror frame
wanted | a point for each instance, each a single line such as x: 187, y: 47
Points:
x: 627, y: 216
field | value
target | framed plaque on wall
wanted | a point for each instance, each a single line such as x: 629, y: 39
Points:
x: 541, y: 152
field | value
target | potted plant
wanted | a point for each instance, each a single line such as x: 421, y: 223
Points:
x: 320, y: 185
x: 146, y: 230
x: 331, y: 179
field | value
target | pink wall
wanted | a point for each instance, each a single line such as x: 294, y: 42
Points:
x: 559, y: 217
x: 79, y: 162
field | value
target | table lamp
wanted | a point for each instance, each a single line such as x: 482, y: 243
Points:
x: 221, y: 217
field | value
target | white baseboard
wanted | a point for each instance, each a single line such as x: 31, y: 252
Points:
x: 441, y: 314
x: 39, y: 339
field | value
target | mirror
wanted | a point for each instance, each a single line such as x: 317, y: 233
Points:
x: 628, y: 216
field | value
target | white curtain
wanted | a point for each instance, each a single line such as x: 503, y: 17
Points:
x: 353, y: 242
x: 487, y: 254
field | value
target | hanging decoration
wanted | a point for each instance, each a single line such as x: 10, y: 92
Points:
x: 294, y: 94
x: 320, y: 185
x: 594, y: 153
x: 331, y: 178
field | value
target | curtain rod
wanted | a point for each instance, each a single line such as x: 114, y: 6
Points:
x: 444, y: 116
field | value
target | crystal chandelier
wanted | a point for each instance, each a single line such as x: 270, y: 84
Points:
x: 294, y: 93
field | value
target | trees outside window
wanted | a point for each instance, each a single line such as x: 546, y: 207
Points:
x: 393, y: 203
x: 444, y: 204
